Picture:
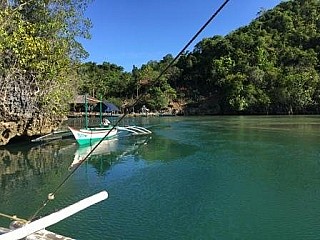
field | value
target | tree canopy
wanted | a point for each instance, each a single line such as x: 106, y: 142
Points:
x: 109, y: 81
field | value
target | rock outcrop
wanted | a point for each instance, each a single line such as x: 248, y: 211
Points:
x: 20, y: 114
x: 26, y: 127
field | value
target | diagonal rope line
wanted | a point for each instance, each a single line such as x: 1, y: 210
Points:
x: 134, y: 104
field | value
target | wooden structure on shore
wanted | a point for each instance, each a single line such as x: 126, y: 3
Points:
x: 56, y: 135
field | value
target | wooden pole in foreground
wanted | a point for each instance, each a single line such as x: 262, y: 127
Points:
x: 54, y: 217
x: 15, y: 218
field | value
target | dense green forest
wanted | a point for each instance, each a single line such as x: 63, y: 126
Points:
x: 40, y: 55
x: 270, y: 66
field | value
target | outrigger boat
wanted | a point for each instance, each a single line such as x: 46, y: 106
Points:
x: 106, y: 131
x: 90, y: 135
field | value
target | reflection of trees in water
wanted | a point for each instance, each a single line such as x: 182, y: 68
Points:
x: 165, y: 149
x: 102, y: 163
x: 18, y: 165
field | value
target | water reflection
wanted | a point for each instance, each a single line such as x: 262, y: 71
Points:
x: 141, y: 148
x: 19, y: 163
x: 166, y: 149
x: 103, y: 149
x: 102, y: 156
x: 38, y: 166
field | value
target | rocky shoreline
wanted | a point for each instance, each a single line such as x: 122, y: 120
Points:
x: 27, y: 128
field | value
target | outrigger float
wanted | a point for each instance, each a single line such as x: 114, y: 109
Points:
x: 35, y: 230
x: 55, y: 135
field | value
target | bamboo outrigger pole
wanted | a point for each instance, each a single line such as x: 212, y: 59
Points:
x: 53, y: 218
x: 15, y: 218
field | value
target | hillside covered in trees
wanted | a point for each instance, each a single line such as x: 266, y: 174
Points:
x: 270, y: 66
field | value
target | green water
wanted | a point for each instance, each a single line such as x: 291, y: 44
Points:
x: 193, y: 178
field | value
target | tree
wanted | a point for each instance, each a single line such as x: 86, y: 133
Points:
x: 40, y: 53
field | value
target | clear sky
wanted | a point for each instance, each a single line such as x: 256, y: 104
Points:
x: 133, y: 32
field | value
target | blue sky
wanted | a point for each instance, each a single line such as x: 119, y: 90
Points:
x: 132, y: 32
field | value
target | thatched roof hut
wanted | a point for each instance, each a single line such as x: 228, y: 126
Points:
x: 78, y: 104
x: 81, y: 99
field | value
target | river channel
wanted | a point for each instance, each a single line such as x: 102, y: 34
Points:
x: 219, y: 177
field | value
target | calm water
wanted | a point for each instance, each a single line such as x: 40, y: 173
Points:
x: 193, y: 178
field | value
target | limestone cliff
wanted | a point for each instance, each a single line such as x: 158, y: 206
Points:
x: 20, y: 114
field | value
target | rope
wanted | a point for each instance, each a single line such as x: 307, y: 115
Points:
x: 13, y: 218
x: 51, y: 195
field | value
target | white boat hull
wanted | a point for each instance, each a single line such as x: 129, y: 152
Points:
x: 92, y: 135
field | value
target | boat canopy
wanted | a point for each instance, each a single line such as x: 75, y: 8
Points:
x: 107, y: 107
